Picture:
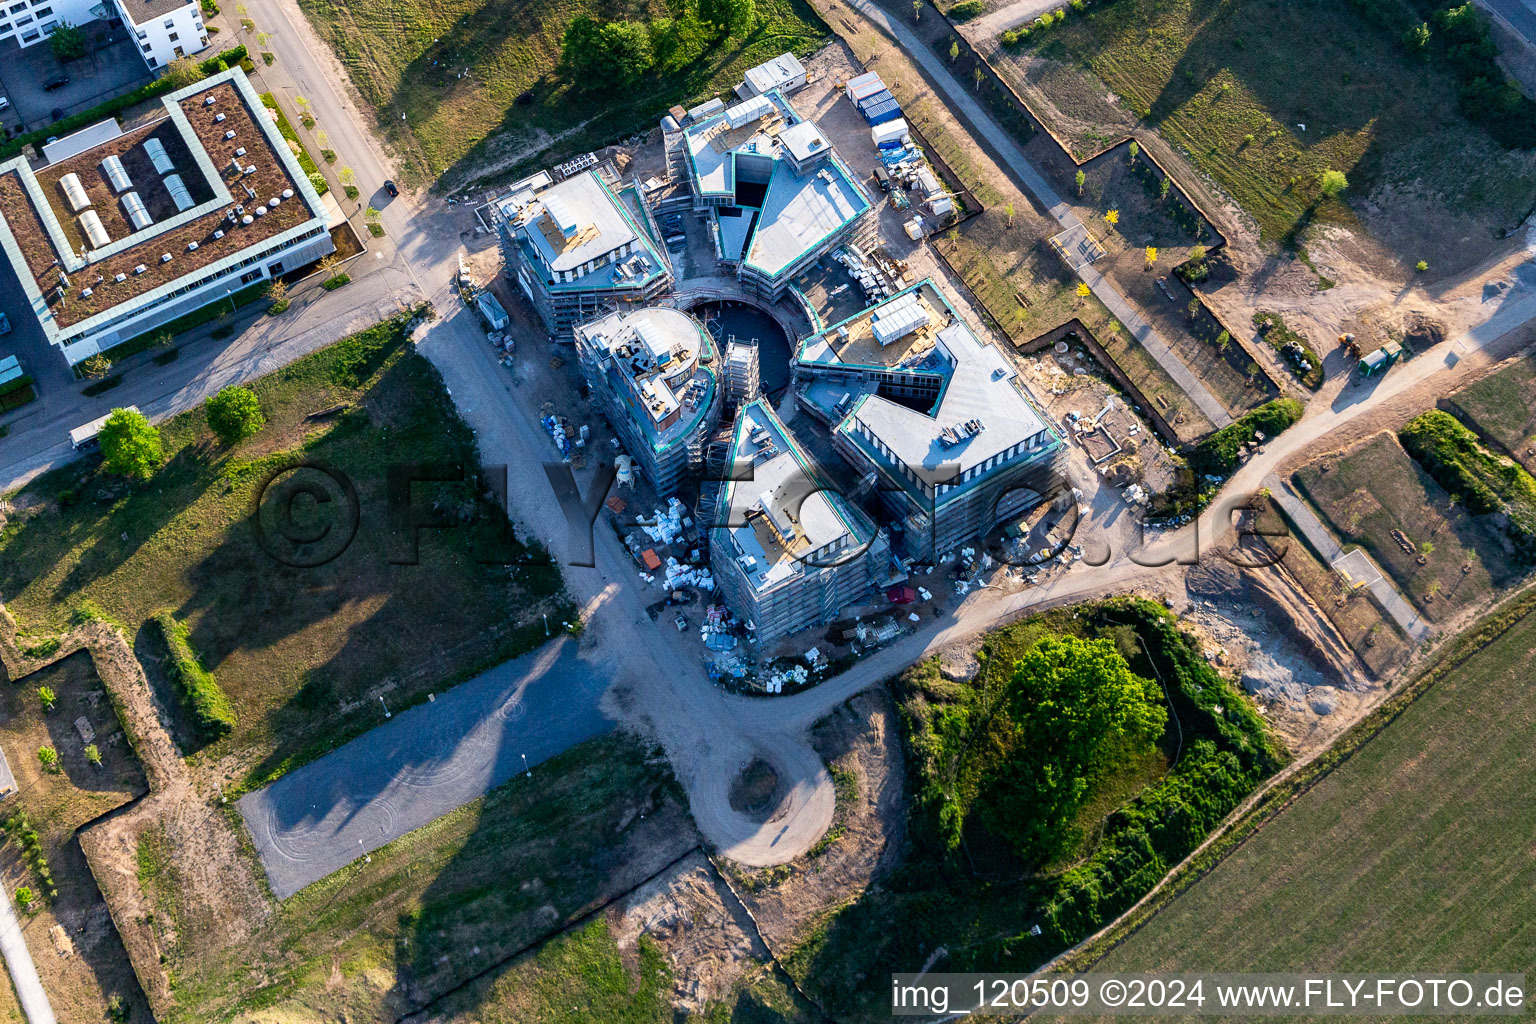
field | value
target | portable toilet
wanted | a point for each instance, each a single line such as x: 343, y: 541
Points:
x: 1379, y: 360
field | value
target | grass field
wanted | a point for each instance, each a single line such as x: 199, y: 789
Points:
x: 1375, y: 489
x: 1502, y: 409
x: 301, y: 652
x: 96, y: 970
x: 406, y: 58
x: 1413, y: 854
x: 1230, y: 83
x: 451, y: 901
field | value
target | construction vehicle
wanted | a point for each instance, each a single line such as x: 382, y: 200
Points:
x: 1348, y: 343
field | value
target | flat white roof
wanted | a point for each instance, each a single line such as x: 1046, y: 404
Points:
x: 82, y: 140
x: 773, y: 74
x: 801, y: 210
x: 600, y: 223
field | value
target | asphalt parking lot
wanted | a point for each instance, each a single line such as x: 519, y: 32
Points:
x: 112, y: 69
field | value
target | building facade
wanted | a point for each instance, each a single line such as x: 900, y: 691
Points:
x: 580, y: 248
x: 164, y: 29
x: 786, y: 550
x: 655, y: 374
x: 144, y: 226
x: 937, y: 416
x: 32, y: 21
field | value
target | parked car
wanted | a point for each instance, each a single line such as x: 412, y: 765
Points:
x: 882, y: 178
x: 56, y: 82
x: 5, y: 324
x: 389, y: 186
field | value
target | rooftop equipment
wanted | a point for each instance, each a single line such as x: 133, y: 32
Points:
x: 74, y: 192
x: 560, y: 215
x: 178, y: 190
x: 157, y: 156
x: 112, y: 167
x: 90, y: 223
x: 134, y: 207
x: 896, y: 324
x: 748, y: 111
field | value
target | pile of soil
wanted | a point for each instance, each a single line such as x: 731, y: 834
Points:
x: 757, y: 790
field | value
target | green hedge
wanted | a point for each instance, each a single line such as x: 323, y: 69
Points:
x: 212, y: 714
x: 1217, y: 454
x: 111, y: 108
x: 287, y: 132
x: 1488, y: 483
x: 15, y: 385
x: 965, y: 10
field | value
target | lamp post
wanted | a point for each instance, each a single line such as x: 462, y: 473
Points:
x: 526, y: 770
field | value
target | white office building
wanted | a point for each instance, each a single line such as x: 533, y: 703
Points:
x: 164, y: 29
x: 31, y: 21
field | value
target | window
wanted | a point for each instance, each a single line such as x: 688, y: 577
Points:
x: 152, y: 62
x: 48, y: 27
x: 144, y: 46
x: 43, y: 12
x: 18, y: 8
x: 4, y: 27
x: 31, y: 36
x: 170, y: 23
x: 174, y: 37
x: 25, y: 21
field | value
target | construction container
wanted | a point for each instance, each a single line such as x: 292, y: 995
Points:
x: 891, y: 134
x: 863, y: 85
x: 888, y: 110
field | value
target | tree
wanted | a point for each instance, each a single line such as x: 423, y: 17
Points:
x: 1417, y: 39
x: 1162, y: 189
x: 348, y: 176
x: 96, y: 367
x: 1151, y: 256
x: 318, y: 183
x: 954, y: 50
x: 1075, y: 713
x: 328, y: 265
x: 302, y: 103
x: 67, y: 42
x: 1008, y: 209
x: 371, y: 215
x: 323, y: 138
x: 1333, y: 183
x: 1193, y: 308
x: 980, y: 76
x: 25, y: 898
x: 1083, y: 291
x: 48, y: 758
x: 234, y: 413
x: 130, y: 445
x: 917, y: 9
x: 1081, y: 180
x: 1223, y: 340
x: 604, y: 56
x: 739, y: 16
x: 48, y: 697
x: 1421, y: 266
x: 184, y: 71
x: 1112, y: 217
x: 93, y: 755
x: 1133, y: 149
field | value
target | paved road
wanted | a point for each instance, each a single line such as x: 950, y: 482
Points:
x: 18, y: 959
x: 423, y: 763
x: 1034, y: 182
x: 1520, y: 15
x: 1321, y: 539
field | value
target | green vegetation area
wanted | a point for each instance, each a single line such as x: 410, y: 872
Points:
x: 56, y: 796
x: 1414, y: 848
x: 284, y: 128
x: 477, y: 81
x: 1230, y: 84
x: 1174, y: 749
x: 205, y: 704
x: 1375, y: 496
x: 1292, y: 346
x: 300, y: 650
x: 1502, y: 408
x: 1485, y: 482
x: 456, y: 902
x: 1220, y: 453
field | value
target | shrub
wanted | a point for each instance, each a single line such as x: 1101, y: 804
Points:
x: 47, y: 697
x: 1218, y: 454
x: 48, y: 758
x: 24, y: 899
x: 212, y: 714
x: 336, y: 282
x: 318, y: 183
x: 93, y: 754
x: 1010, y: 37
x: 1487, y: 483
x: 234, y: 413
x: 965, y: 10
x: 1421, y: 266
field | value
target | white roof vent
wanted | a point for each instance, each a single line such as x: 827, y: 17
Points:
x: 274, y: 202
x: 85, y: 293
x: 90, y: 223
x: 251, y: 169
x: 141, y: 268
x: 287, y: 193
x: 247, y: 219
x: 219, y: 233
x: 191, y: 247
x: 261, y: 211
x: 208, y: 100
x: 165, y: 257
x: 240, y: 151
x: 218, y: 118
x: 120, y: 278
x: 229, y: 134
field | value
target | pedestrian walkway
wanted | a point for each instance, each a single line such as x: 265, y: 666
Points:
x: 1322, y: 540
x: 1015, y: 160
x: 18, y: 959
